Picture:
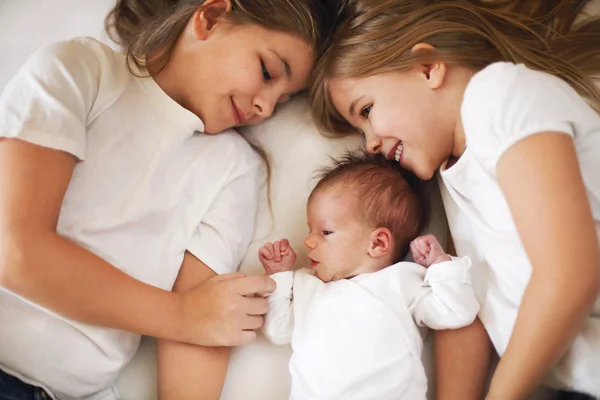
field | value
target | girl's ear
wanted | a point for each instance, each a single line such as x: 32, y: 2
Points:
x: 435, y: 73
x: 380, y: 243
x: 207, y: 16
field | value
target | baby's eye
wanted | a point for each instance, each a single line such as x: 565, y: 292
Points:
x: 266, y: 75
x: 366, y: 111
x: 327, y: 233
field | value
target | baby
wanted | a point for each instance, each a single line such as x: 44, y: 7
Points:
x: 353, y: 317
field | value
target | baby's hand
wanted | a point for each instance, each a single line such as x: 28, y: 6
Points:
x: 426, y: 250
x: 277, y: 256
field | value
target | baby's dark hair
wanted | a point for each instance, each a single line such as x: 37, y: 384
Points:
x: 387, y: 196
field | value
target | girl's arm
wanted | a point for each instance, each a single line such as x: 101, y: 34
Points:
x: 187, y: 371
x: 462, y: 358
x: 462, y: 362
x: 556, y: 227
x: 40, y: 265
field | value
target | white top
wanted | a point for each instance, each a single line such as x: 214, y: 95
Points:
x: 150, y: 187
x: 503, y: 104
x: 358, y: 338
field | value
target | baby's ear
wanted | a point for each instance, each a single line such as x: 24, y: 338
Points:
x: 380, y: 243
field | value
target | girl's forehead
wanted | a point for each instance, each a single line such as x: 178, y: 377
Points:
x: 342, y: 85
x: 345, y: 92
x: 295, y: 53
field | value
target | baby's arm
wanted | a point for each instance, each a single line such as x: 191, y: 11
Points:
x: 446, y: 299
x: 279, y: 321
x: 278, y: 259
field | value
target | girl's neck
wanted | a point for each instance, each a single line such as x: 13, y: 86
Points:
x: 462, y: 77
x: 163, y: 74
x: 459, y: 144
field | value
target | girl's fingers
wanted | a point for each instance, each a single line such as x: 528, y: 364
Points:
x: 253, y: 322
x: 256, y: 305
x: 245, y: 337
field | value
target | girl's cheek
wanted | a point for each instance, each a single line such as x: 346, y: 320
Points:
x: 246, y: 80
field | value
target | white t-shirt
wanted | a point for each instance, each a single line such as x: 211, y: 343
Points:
x: 358, y: 338
x: 148, y: 187
x: 503, y: 104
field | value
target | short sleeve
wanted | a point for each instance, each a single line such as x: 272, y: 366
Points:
x: 223, y: 236
x: 47, y: 102
x: 505, y: 103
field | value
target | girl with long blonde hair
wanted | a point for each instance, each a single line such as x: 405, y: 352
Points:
x: 127, y: 202
x: 497, y: 99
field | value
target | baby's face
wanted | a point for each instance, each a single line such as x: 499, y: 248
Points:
x: 338, y: 241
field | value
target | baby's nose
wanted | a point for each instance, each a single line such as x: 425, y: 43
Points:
x: 308, y: 242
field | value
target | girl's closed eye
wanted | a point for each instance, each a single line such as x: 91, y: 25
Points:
x: 265, y: 72
x: 366, y: 111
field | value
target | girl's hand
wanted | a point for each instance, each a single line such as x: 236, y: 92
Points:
x: 426, y: 251
x: 277, y: 257
x: 225, y: 310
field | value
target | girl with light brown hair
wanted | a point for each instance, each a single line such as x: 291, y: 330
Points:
x: 491, y: 97
x: 127, y: 202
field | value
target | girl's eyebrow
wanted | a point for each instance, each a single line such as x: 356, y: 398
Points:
x: 286, y: 64
x: 353, y: 104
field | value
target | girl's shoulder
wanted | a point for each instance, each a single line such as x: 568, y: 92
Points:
x: 83, y: 61
x: 507, y: 82
x: 505, y: 102
x: 79, y: 50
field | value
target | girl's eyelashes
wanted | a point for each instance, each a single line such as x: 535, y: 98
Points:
x: 366, y: 111
x: 265, y: 72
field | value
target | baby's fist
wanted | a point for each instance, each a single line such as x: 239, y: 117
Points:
x: 277, y: 256
x: 426, y: 250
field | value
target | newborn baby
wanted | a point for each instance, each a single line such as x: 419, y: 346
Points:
x: 353, y: 317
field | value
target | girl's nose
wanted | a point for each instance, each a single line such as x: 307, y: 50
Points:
x: 372, y: 143
x: 264, y: 106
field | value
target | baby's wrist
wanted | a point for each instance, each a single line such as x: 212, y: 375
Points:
x: 442, y: 258
x: 270, y: 271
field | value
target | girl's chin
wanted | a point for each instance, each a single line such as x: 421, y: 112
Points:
x: 423, y: 174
